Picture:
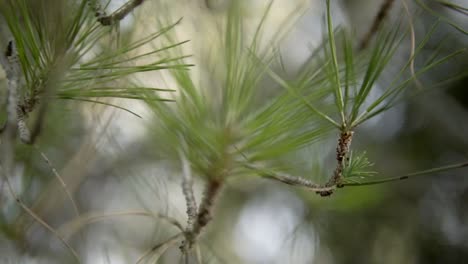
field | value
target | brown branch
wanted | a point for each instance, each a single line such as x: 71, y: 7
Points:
x: 18, y: 111
x: 119, y: 14
x: 301, y: 182
x: 336, y: 181
x: 204, y: 214
x: 378, y: 20
x: 342, y: 151
x: 206, y: 207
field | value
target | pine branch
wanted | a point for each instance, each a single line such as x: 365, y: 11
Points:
x: 291, y: 180
x: 187, y: 189
x: 60, y: 180
x: 15, y: 123
x: 204, y: 215
x: 336, y: 180
x: 17, y: 112
x: 342, y: 151
x: 118, y: 15
x: 205, y: 210
x: 328, y: 190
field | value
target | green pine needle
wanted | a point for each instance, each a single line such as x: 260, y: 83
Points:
x: 358, y: 168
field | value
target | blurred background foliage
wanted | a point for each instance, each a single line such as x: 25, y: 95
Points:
x: 114, y: 163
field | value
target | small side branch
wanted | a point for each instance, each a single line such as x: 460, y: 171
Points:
x: 17, y: 111
x: 37, y: 218
x: 59, y: 179
x: 293, y: 180
x: 119, y: 14
x: 336, y: 180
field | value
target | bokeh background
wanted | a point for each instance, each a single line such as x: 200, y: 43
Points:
x: 110, y: 161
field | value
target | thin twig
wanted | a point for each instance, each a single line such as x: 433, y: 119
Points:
x: 336, y: 181
x: 63, y: 186
x: 36, y: 217
x: 90, y: 218
x: 410, y: 175
x: 10, y: 64
x: 291, y: 180
x: 15, y: 122
x: 60, y: 180
x: 119, y: 14
x: 378, y: 20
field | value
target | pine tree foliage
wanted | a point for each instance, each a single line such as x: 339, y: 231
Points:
x: 65, y: 57
x: 217, y: 127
